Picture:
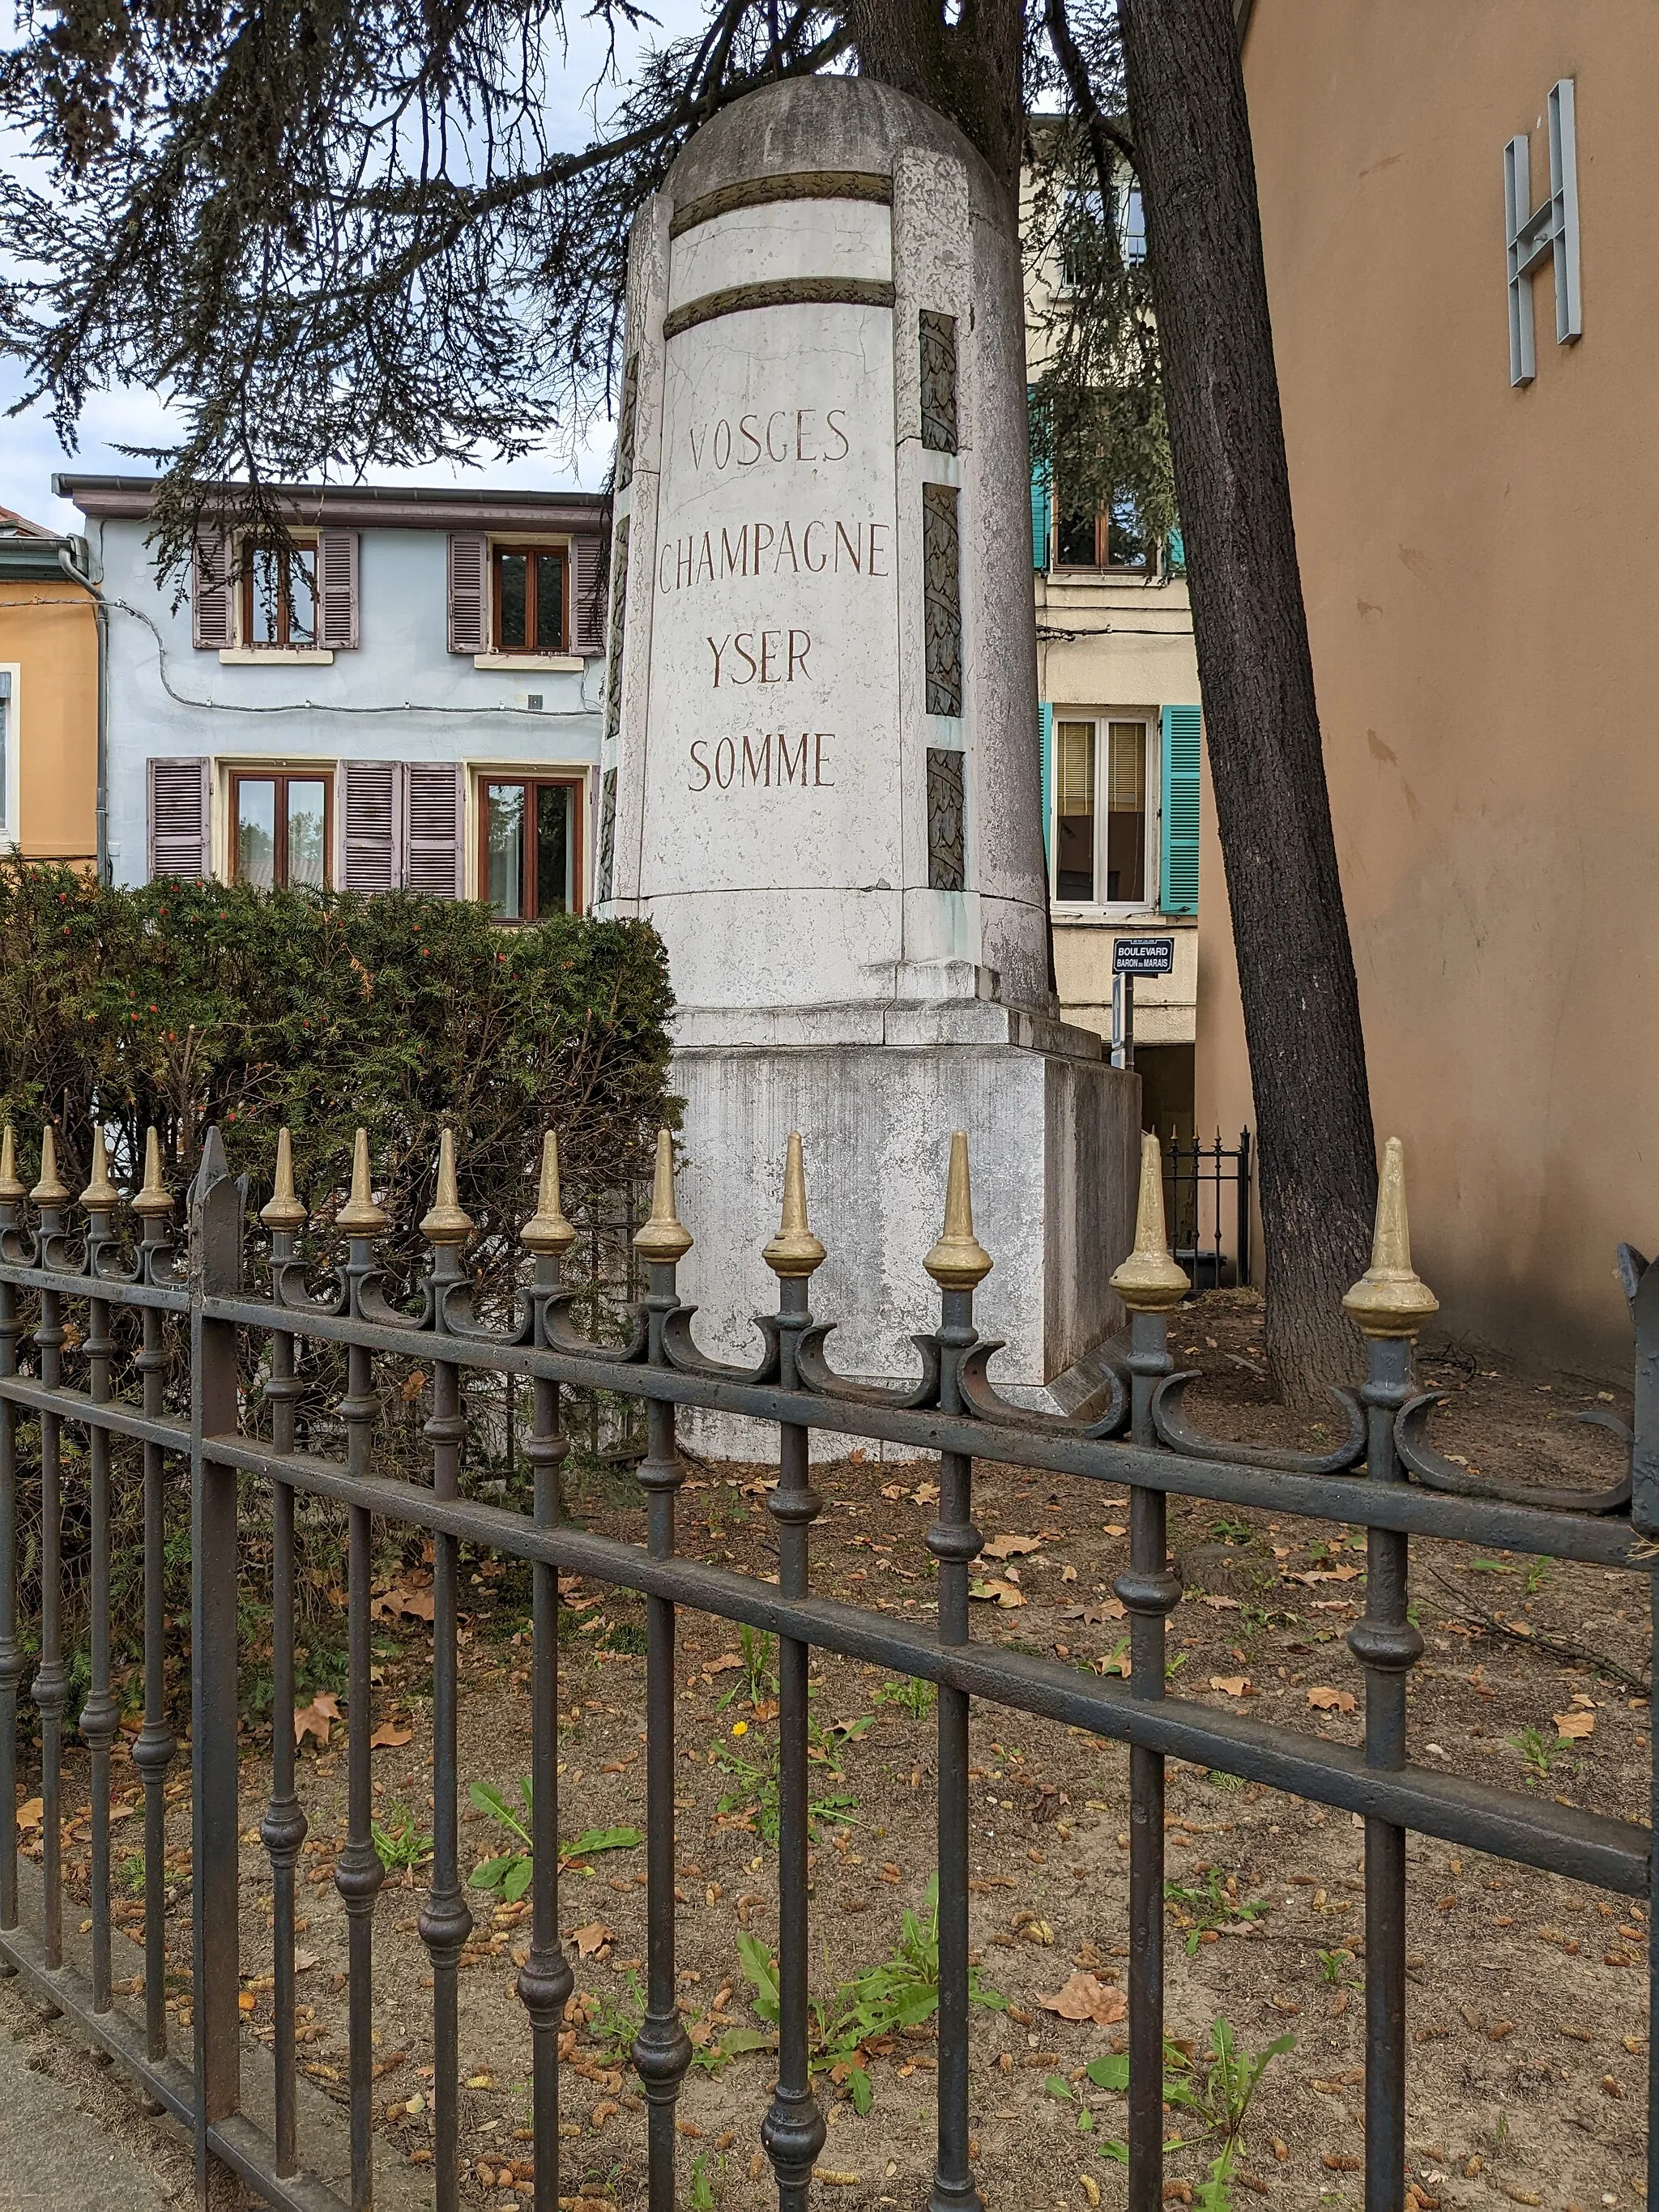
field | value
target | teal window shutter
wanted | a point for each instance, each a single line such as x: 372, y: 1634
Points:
x: 1043, y: 505
x: 1178, y: 868
x: 1046, y: 738
x: 1042, y: 516
x: 1176, y: 554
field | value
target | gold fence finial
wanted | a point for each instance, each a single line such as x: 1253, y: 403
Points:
x: 794, y: 1252
x: 101, y: 1193
x: 665, y: 1237
x: 1390, y: 1298
x: 547, y: 1230
x: 283, y: 1210
x: 360, y: 1216
x: 958, y: 1260
x: 446, y: 1220
x: 1152, y: 1279
x: 50, y: 1190
x: 155, y: 1198
x: 11, y: 1183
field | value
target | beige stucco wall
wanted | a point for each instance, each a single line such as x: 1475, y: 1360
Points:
x: 1114, y: 646
x: 1481, y: 566
x: 48, y: 637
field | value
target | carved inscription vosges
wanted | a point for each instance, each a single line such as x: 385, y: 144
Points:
x: 849, y: 547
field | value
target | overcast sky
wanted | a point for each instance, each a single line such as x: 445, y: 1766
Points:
x: 30, y: 452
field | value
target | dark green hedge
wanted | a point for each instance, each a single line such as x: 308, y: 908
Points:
x: 184, y: 1004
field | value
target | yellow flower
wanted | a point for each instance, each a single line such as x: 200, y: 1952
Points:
x: 739, y: 1727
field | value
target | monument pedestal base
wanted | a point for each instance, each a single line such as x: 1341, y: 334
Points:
x: 1053, y: 1134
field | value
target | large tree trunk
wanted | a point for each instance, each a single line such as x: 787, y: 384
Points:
x: 1315, y: 1147
x: 970, y: 70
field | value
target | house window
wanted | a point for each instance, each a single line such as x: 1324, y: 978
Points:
x: 531, y: 832
x: 1117, y: 540
x: 529, y: 599
x: 1101, y: 789
x: 279, y: 594
x: 7, y: 762
x: 280, y: 829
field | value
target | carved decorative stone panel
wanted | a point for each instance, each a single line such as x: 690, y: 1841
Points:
x: 941, y: 551
x: 946, y: 845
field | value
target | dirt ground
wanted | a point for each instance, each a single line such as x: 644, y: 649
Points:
x: 1527, y: 2001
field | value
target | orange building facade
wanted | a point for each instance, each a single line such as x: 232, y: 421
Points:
x: 1480, y: 559
x: 48, y: 699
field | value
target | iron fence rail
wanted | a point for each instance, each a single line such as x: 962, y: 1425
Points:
x: 1145, y: 1441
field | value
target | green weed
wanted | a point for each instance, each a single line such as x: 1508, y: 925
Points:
x: 1215, y: 2088
x: 399, y: 1840
x: 1203, y: 1911
x: 757, y: 1679
x: 909, y: 1693
x: 1536, y: 1752
x: 899, y: 1991
x: 511, y: 1870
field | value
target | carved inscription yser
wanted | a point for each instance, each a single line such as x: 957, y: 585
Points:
x: 850, y: 548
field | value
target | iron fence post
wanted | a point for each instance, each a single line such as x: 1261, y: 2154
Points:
x: 1389, y: 1304
x: 957, y: 1263
x: 793, y: 2129
x: 11, y: 1650
x: 545, y: 1980
x: 156, y: 1747
x: 283, y: 1828
x: 358, y: 1872
x: 445, y: 1920
x: 51, y: 1686
x: 662, y: 2048
x: 99, y: 1717
x: 1150, y: 1283
x: 217, y: 1203
x: 1241, y: 1198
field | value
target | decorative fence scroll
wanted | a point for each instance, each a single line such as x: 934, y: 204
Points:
x: 75, y: 1289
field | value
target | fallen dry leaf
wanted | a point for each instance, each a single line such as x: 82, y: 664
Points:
x: 1010, y: 1547
x: 1233, y: 1686
x: 1574, y: 1725
x: 1219, y: 1604
x: 416, y: 1604
x: 304, y: 1961
x: 925, y: 1493
x: 388, y: 1736
x: 316, y: 1718
x: 1096, y: 1615
x: 588, y: 1940
x: 30, y: 1812
x: 723, y: 1665
x: 1085, y: 1996
x: 993, y: 1586
x: 1326, y: 1700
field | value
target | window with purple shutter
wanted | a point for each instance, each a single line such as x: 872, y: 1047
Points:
x: 587, y: 595
x: 468, y: 570
x: 180, y: 820
x: 434, y: 804
x: 336, y: 589
x: 370, y: 810
x: 213, y: 604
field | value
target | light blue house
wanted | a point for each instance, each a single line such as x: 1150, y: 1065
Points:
x: 408, y: 697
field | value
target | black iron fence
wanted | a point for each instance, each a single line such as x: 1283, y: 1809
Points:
x: 72, y: 1297
x: 1206, y: 1195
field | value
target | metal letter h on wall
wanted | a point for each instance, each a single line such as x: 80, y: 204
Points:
x: 1550, y: 228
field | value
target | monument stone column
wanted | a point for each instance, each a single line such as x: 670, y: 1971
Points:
x: 820, y: 771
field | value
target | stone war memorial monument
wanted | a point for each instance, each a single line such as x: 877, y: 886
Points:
x: 820, y: 777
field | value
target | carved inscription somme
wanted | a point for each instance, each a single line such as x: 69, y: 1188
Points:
x: 763, y: 447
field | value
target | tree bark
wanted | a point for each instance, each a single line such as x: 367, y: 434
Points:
x: 1315, y: 1148
x: 970, y: 70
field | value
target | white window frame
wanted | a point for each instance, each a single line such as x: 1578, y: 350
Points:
x: 10, y: 797
x: 227, y: 767
x: 1105, y: 912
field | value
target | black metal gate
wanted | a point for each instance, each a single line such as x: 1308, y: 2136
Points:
x: 72, y: 1297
